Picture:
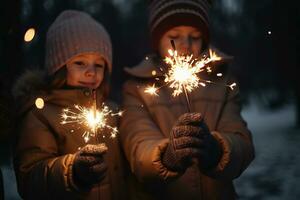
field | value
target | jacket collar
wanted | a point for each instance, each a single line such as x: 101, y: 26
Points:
x: 62, y: 98
x: 151, y: 66
x: 32, y: 85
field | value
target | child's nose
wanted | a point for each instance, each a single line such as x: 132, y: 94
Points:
x: 91, y: 70
x: 185, y: 45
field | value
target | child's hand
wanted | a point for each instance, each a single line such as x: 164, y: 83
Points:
x: 210, y: 151
x: 89, y: 167
x: 185, y: 142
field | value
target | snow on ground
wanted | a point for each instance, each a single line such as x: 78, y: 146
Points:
x: 274, y: 174
x: 10, y: 185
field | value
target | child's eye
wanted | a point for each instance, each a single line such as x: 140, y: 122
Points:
x: 196, y: 36
x: 80, y: 63
x: 99, y: 65
x: 173, y: 37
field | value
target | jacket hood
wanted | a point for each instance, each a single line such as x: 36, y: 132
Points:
x: 150, y: 66
x: 28, y: 84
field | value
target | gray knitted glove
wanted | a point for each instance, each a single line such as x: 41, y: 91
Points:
x: 185, y: 142
x: 89, y: 167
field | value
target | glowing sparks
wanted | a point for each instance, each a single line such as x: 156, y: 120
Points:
x: 152, y: 90
x: 213, y: 56
x: 208, y: 69
x: 92, y: 119
x: 183, y: 73
x: 232, y: 86
x: 203, y: 84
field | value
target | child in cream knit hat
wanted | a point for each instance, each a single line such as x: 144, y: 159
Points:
x: 52, y: 160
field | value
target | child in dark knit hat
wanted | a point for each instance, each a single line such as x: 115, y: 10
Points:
x: 173, y: 153
x: 52, y: 160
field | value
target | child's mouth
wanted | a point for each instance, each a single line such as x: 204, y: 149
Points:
x: 88, y: 84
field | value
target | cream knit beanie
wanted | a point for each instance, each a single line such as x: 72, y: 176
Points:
x: 73, y: 33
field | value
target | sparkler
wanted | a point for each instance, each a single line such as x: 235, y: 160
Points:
x: 182, y: 75
x: 152, y: 90
x: 91, y: 118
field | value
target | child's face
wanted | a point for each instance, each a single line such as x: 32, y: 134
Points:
x: 188, y: 40
x: 86, y: 70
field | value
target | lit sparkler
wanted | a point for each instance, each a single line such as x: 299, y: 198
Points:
x: 91, y: 118
x: 182, y: 75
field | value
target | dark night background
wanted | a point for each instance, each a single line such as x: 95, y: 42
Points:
x: 262, y: 35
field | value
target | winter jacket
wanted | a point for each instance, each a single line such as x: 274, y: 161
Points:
x: 148, y: 120
x: 45, y: 147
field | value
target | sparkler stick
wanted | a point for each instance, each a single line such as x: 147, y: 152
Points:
x: 94, y: 101
x: 95, y: 112
x: 173, y: 45
x: 187, y: 99
x: 184, y: 88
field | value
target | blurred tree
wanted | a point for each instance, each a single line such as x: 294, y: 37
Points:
x: 135, y: 40
x: 10, y: 55
x: 286, y: 43
x: 1, y: 185
x: 10, y: 43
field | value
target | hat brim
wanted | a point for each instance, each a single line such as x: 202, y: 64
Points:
x: 179, y: 19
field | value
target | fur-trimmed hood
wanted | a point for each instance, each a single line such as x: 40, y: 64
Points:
x: 27, y: 87
x: 30, y: 83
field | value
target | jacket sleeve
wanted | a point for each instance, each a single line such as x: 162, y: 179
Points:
x: 235, y: 139
x: 142, y: 141
x: 41, y: 172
